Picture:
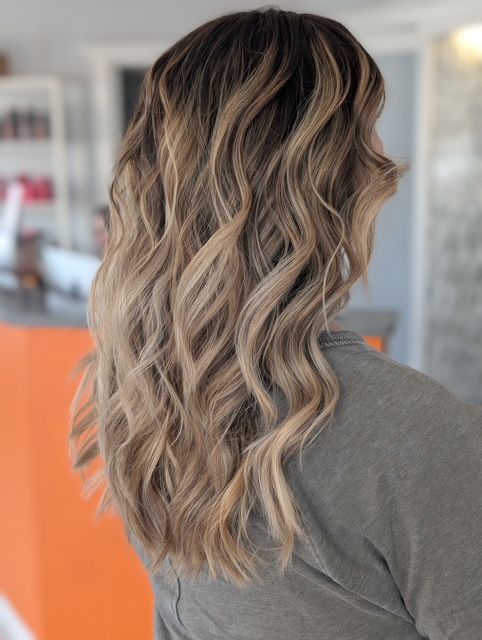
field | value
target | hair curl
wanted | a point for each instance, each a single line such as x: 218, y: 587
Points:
x: 242, y: 210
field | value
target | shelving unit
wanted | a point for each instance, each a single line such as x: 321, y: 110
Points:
x: 39, y: 157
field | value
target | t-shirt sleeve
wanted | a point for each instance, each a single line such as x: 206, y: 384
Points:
x: 431, y: 529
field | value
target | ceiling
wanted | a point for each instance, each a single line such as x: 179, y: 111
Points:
x: 120, y: 18
x: 42, y: 36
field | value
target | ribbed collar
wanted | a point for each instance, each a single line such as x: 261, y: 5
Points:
x: 340, y: 337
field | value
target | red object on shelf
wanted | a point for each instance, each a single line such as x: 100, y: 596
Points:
x: 44, y: 189
x: 29, y: 188
x: 38, y: 189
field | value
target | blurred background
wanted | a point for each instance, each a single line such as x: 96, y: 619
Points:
x: 69, y: 79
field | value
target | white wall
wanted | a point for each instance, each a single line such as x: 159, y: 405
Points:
x: 390, y: 269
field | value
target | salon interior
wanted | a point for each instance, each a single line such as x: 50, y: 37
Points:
x: 70, y: 74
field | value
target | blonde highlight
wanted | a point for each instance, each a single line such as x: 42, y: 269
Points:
x: 242, y: 210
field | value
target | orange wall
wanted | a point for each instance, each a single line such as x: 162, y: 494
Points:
x: 19, y: 555
x: 68, y: 575
x: 377, y: 342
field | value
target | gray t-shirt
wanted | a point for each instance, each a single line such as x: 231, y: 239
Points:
x: 391, y: 497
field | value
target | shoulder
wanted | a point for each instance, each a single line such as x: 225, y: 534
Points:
x: 392, y: 489
x: 394, y: 428
x: 394, y: 396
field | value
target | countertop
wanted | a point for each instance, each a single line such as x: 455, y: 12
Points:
x: 61, y: 310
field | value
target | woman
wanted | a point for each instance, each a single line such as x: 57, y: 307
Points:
x: 278, y: 477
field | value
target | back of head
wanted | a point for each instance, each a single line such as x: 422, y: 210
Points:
x: 242, y: 211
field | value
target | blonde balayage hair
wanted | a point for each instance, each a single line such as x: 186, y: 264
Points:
x: 241, y: 211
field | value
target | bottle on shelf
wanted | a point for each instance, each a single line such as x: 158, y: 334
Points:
x: 25, y: 123
x: 9, y: 125
x: 41, y: 124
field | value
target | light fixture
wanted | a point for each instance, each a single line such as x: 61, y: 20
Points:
x: 469, y: 38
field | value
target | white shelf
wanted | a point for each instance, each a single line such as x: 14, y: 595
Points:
x: 45, y: 155
x: 25, y: 144
x: 39, y: 208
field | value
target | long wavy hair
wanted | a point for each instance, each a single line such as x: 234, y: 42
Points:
x: 241, y: 212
